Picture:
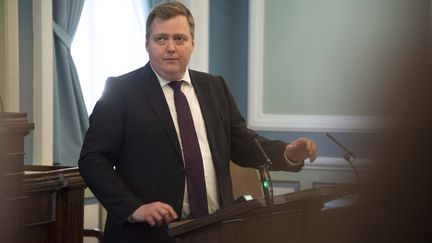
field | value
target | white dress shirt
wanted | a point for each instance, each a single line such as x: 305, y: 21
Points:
x: 209, y: 171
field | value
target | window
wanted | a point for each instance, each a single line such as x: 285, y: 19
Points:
x: 110, y: 41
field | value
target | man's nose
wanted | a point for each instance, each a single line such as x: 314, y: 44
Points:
x: 170, y: 45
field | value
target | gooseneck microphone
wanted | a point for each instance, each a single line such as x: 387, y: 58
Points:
x: 1, y: 105
x: 348, y: 156
x: 266, y: 182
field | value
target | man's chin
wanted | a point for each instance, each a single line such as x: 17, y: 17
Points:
x: 172, y: 75
x: 172, y: 71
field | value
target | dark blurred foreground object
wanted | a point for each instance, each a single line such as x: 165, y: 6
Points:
x: 399, y: 198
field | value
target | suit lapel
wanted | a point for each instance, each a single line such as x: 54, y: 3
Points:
x: 154, y: 93
x: 210, y: 114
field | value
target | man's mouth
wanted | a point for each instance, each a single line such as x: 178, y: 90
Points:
x: 170, y: 59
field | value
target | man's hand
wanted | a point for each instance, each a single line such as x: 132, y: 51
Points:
x: 156, y: 213
x: 301, y: 149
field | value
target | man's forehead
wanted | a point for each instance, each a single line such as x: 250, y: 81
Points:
x: 170, y: 26
x: 179, y: 19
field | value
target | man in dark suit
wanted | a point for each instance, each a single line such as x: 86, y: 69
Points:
x: 134, y: 155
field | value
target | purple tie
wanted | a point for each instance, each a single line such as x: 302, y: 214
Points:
x: 192, y: 154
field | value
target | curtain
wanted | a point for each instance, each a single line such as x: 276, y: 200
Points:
x: 70, y: 115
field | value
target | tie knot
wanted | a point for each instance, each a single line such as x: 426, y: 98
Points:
x: 175, y: 85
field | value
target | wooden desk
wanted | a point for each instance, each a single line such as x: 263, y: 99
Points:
x: 37, y: 203
x: 53, y: 207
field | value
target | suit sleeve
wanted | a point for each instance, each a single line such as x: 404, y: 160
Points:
x: 244, y: 150
x: 100, y: 151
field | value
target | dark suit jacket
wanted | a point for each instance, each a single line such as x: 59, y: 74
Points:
x: 131, y: 154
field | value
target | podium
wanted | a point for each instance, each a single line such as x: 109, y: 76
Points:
x: 294, y: 217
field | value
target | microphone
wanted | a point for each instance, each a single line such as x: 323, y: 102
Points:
x: 348, y: 156
x: 266, y: 182
x: 1, y: 105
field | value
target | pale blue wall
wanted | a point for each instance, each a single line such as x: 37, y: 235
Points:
x: 337, y: 57
x: 374, y: 24
x: 25, y: 11
x: 229, y: 45
x: 229, y: 57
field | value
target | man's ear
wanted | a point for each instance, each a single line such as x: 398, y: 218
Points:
x: 146, y: 44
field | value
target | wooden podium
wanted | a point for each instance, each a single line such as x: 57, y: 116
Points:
x: 294, y: 217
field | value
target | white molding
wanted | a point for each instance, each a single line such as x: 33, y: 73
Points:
x: 43, y: 72
x: 339, y: 164
x: 10, y: 94
x: 311, y: 123
x: 200, y: 9
x: 258, y: 120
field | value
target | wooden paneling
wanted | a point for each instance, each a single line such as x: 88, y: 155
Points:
x: 13, y: 128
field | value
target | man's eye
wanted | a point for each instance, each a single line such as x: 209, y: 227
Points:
x: 180, y: 39
x: 160, y: 39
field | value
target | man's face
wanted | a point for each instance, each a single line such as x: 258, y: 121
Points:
x: 170, y: 46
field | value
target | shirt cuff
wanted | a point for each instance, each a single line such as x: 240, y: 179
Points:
x: 292, y: 163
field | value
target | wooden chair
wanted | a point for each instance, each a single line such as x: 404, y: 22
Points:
x: 97, y: 233
x: 245, y: 181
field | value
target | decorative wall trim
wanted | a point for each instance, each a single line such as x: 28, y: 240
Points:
x: 258, y: 120
x: 339, y: 164
x: 311, y: 123
x: 10, y: 94
x: 43, y: 71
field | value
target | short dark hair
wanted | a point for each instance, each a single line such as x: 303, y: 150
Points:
x: 169, y: 10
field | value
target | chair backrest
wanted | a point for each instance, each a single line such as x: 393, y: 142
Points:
x: 96, y: 233
x: 245, y: 181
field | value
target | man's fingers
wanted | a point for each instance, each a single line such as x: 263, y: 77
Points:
x: 171, y: 211
x: 303, y: 148
x: 155, y: 214
x: 150, y: 220
x: 312, y: 151
x: 165, y: 214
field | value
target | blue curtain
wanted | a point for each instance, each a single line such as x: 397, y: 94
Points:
x: 70, y: 115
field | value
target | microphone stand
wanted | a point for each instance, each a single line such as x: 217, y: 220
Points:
x: 1, y: 105
x: 348, y: 156
x: 266, y: 182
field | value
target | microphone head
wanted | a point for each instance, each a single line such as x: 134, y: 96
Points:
x: 349, y: 156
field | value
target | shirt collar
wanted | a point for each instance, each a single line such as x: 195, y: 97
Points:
x: 186, y: 78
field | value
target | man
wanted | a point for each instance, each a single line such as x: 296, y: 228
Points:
x: 135, y: 157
